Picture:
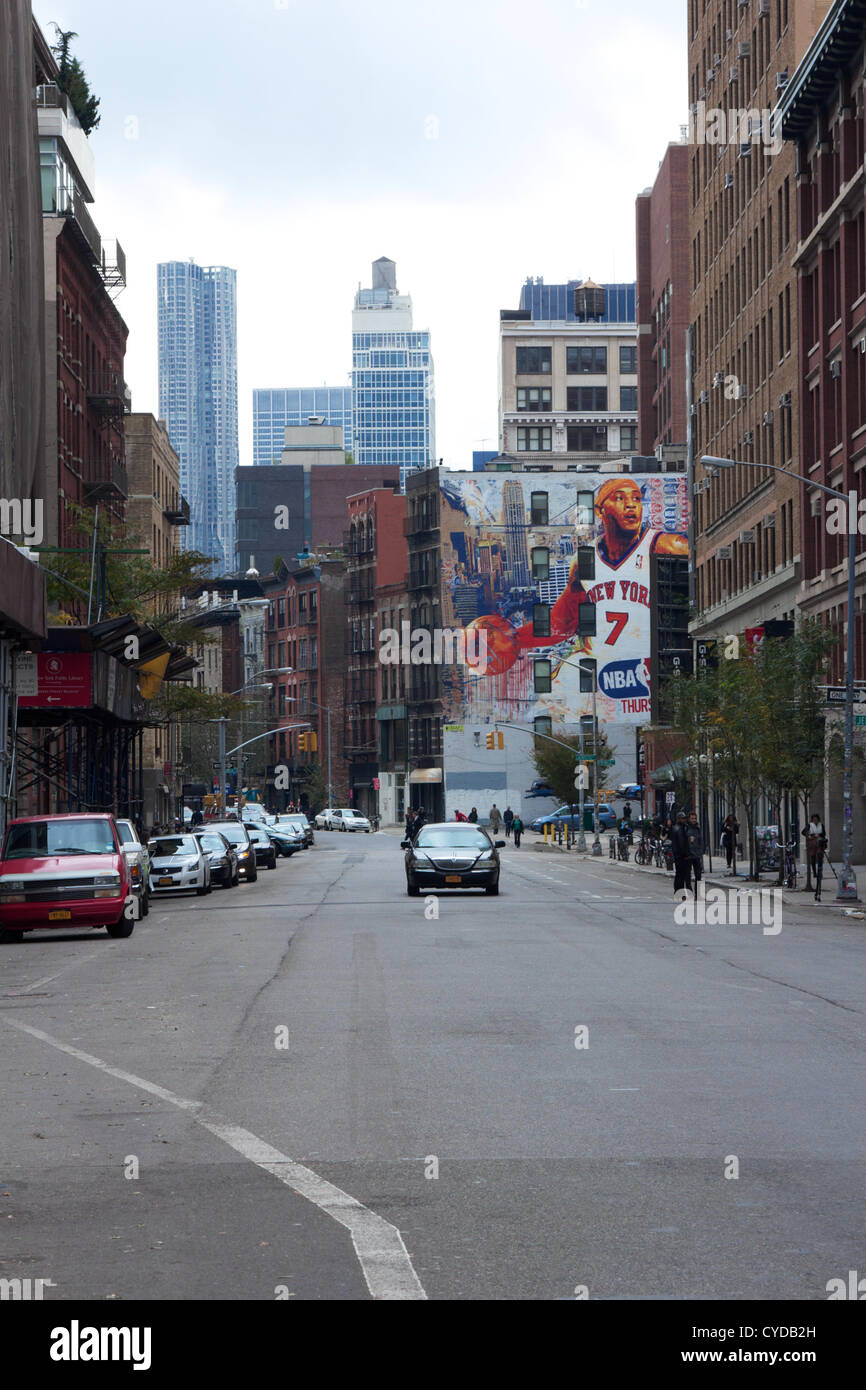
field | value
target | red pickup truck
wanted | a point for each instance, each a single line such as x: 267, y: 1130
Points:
x: 64, y: 871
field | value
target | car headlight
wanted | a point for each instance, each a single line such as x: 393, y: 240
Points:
x: 192, y: 863
x: 220, y: 859
x: 12, y: 885
x: 107, y: 880
x: 487, y: 854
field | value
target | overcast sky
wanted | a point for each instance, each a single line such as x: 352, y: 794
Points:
x: 475, y: 142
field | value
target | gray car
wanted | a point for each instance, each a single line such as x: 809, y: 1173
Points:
x: 452, y: 854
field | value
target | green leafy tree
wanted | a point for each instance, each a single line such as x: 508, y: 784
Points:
x: 73, y: 82
x: 556, y: 764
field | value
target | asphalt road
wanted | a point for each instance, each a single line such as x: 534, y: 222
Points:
x: 156, y: 1126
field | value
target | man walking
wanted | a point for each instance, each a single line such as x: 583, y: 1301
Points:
x: 682, y: 855
x: 695, y: 838
x: 517, y: 827
x: 730, y: 831
x: 816, y: 848
x: 508, y: 820
x: 495, y: 818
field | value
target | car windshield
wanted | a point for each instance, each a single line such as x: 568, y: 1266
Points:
x: 448, y: 837
x: 125, y: 833
x: 38, y: 839
x: 234, y: 832
x: 352, y: 815
x: 168, y: 845
x: 212, y: 843
x: 291, y: 820
x: 256, y: 833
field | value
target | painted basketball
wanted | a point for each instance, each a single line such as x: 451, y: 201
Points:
x: 502, y: 645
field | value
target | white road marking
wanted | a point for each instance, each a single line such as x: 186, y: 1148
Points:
x: 384, y: 1259
x: 625, y: 1088
x: 48, y: 979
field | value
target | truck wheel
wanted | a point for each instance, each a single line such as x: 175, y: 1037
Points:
x: 11, y: 938
x: 121, y: 929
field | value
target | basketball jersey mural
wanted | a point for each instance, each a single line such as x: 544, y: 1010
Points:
x: 556, y: 570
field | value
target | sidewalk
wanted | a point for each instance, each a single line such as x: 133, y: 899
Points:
x: 720, y: 878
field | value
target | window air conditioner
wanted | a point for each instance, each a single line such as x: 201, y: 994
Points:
x: 724, y: 552
x: 747, y: 537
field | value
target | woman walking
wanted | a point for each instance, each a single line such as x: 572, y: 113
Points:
x: 517, y: 829
x: 730, y: 831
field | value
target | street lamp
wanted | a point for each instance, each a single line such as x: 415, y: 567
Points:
x: 222, y: 721
x: 847, y: 886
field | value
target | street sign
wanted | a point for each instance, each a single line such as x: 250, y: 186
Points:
x: 836, y: 695
x: 860, y: 721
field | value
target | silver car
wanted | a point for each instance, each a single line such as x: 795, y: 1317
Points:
x: 136, y: 856
x: 178, y: 864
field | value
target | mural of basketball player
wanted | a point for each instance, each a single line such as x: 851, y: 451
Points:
x: 622, y: 580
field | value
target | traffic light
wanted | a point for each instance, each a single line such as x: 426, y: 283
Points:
x: 302, y: 743
x: 496, y: 740
x: 314, y: 742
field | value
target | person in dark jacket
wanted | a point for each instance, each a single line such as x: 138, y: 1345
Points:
x: 730, y: 831
x: 682, y: 854
x: 695, y: 837
x: 517, y: 827
x: 473, y: 816
x: 816, y: 848
x: 508, y: 820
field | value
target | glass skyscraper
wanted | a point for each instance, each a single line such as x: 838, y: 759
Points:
x: 274, y: 410
x: 392, y: 378
x: 198, y: 397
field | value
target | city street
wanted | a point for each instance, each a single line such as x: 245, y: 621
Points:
x: 155, y: 1122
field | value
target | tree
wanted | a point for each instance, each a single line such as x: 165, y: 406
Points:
x: 73, y: 82
x: 556, y: 765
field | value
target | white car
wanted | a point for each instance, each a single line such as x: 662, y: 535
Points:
x: 347, y: 819
x: 136, y: 857
x: 178, y: 864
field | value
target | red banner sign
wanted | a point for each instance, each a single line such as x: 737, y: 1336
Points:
x: 62, y: 682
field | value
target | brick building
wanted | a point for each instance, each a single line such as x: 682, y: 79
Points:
x: 376, y: 558
x: 823, y: 114
x: 744, y: 313
x: 663, y: 303
x: 305, y: 630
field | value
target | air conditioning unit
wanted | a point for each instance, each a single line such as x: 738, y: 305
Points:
x: 733, y: 74
x: 781, y: 81
x: 747, y: 537
x: 748, y: 437
x: 745, y: 149
x: 718, y: 380
x: 717, y: 60
x: 769, y: 522
x: 763, y: 9
x: 729, y: 180
x: 785, y: 401
x: 756, y: 576
x: 702, y: 93
x: 815, y: 505
x: 836, y: 368
x: 768, y: 417
x: 740, y: 392
x: 729, y: 34
x: 724, y: 552
x: 744, y: 50
x: 711, y: 72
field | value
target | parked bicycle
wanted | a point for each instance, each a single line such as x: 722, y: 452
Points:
x: 792, y: 868
x: 622, y: 850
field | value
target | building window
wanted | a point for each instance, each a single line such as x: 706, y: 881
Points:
x: 543, y: 725
x: 542, y: 677
x: 628, y: 361
x: 540, y: 621
x: 587, y: 676
x: 586, y: 620
x: 281, y: 612
x: 628, y: 436
x: 533, y: 361
x: 538, y: 507
x: 585, y: 509
x: 586, y: 439
x: 586, y: 562
x: 586, y: 398
x: 533, y: 398
x: 535, y: 440
x: 540, y: 563
x: 586, y: 361
x: 628, y: 398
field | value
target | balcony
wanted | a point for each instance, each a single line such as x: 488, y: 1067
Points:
x: 179, y: 514
x: 421, y: 524
x: 424, y: 577
x: 110, y: 488
x: 355, y: 595
x: 69, y: 203
x: 108, y: 394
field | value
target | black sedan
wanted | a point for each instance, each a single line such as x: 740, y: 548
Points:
x: 263, y: 845
x: 285, y: 840
x: 223, y: 857
x: 452, y: 855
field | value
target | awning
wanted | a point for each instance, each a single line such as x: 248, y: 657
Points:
x: 426, y: 774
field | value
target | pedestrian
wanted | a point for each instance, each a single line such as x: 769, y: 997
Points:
x: 508, y: 820
x: 816, y: 848
x: 197, y: 817
x: 696, y: 848
x: 626, y: 810
x: 410, y: 821
x: 473, y: 816
x: 460, y: 815
x: 495, y: 818
x: 682, y: 855
x: 517, y: 827
x: 730, y: 831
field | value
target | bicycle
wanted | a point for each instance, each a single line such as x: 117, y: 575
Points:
x: 658, y: 855
x: 642, y: 853
x: 622, y: 848
x: 792, y: 868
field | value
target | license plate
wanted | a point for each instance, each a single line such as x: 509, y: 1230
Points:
x: 166, y: 882
x: 59, y: 916
x: 453, y: 878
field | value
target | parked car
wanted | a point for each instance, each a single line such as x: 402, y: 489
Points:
x: 298, y: 819
x: 323, y: 819
x: 265, y: 849
x: 565, y: 816
x: 222, y: 855
x: 630, y: 791
x: 238, y: 835
x: 179, y: 864
x: 254, y: 812
x: 287, y: 839
x: 452, y: 854
x: 64, y: 871
x: 347, y: 820
x: 138, y: 860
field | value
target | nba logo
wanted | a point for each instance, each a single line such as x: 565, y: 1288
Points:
x: 638, y: 563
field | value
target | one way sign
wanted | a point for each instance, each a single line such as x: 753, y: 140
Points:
x: 836, y: 694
